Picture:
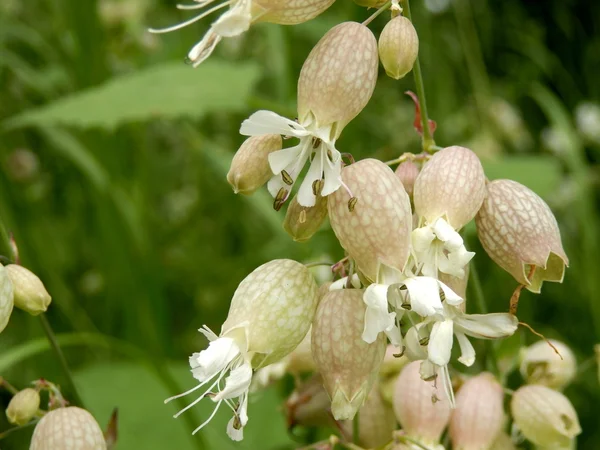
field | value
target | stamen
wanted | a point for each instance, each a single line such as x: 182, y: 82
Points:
x: 287, y: 179
x: 316, y: 142
x: 202, y: 396
x: 209, y: 419
x: 196, y: 5
x: 190, y: 21
x: 302, y: 217
x: 198, y: 386
x: 352, y: 203
x: 347, y: 189
x: 424, y: 341
x: 317, y: 186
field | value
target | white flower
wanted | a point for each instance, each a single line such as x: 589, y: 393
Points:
x: 223, y: 356
x: 316, y: 145
x: 438, y: 246
x: 235, y: 21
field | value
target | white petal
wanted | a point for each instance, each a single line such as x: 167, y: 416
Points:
x: 445, y: 233
x: 394, y: 336
x: 210, y: 335
x: 460, y: 257
x: 338, y: 284
x: 440, y: 342
x: 451, y: 297
x: 235, y: 21
x: 447, y: 383
x: 467, y: 352
x: 424, y: 295
x: 275, y: 184
x: 421, y: 239
x: 234, y: 433
x: 215, y: 358
x: 428, y: 370
x: 281, y: 159
x: 487, y: 326
x: 332, y: 173
x: 268, y: 122
x: 236, y: 384
x: 377, y: 317
x: 203, y: 49
x: 306, y: 197
x: 414, y: 350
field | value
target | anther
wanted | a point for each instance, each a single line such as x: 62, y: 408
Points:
x: 406, y: 306
x: 287, y: 179
x: 302, y: 216
x: 424, y: 341
x: 317, y: 186
x: 316, y: 142
x: 352, y: 204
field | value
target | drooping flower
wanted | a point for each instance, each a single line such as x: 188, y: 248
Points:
x: 541, y: 364
x: 270, y: 313
x: 23, y: 406
x: 240, y: 16
x: 30, y: 294
x: 66, y: 428
x: 328, y: 98
x: 6, y: 297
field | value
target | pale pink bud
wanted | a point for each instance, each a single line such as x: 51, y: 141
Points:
x: 250, y: 165
x: 338, y: 77
x: 540, y: 364
x: 348, y: 364
x: 285, y: 12
x: 23, y: 406
x: 479, y: 413
x: 398, y: 47
x: 518, y: 231
x: 30, y: 294
x: 272, y: 309
x: 450, y: 185
x: 377, y: 231
x: 544, y: 416
x: 408, y: 172
x: 376, y: 421
x: 302, y: 222
x: 420, y: 406
x: 69, y: 428
x: 6, y: 297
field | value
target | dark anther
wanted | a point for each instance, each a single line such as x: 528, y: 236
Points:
x: 424, y: 341
x: 317, y: 186
x: 316, y: 142
x: 352, y: 203
x: 287, y: 179
x: 406, y: 306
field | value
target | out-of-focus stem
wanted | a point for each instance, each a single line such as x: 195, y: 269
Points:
x: 377, y: 13
x: 428, y: 142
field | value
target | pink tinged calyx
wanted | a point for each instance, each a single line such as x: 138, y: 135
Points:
x: 519, y: 232
x: 335, y: 84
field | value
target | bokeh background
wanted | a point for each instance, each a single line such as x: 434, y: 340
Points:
x: 113, y: 158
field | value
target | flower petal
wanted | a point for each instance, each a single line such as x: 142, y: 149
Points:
x: 236, y: 384
x: 332, y: 172
x: 235, y: 21
x: 203, y: 49
x: 450, y: 296
x: 421, y: 239
x: 467, y: 351
x: 448, y: 235
x: 377, y: 316
x: 206, y: 364
x: 268, y: 122
x: 440, y: 342
x: 424, y: 295
x: 306, y: 197
x: 281, y: 159
x: 487, y: 326
x: 414, y: 350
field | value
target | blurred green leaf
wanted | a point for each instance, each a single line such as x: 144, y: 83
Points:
x: 145, y: 422
x: 164, y: 91
x: 541, y: 174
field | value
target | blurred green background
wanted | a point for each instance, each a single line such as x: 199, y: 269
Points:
x: 114, y: 155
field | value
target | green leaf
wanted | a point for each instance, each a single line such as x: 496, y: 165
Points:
x: 541, y: 174
x: 145, y: 422
x: 163, y: 91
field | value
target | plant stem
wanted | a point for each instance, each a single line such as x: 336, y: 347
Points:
x: 428, y: 142
x: 377, y: 13
x: 61, y: 359
x: 355, y: 428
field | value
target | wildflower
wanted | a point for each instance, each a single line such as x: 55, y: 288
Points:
x: 23, y: 406
x: 398, y: 47
x: 541, y: 364
x: 240, y: 16
x: 6, y: 297
x: 30, y: 294
x: 328, y: 98
x: 67, y: 428
x: 270, y: 314
x: 348, y: 364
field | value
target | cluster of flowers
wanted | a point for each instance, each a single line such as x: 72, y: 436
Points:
x: 407, y: 263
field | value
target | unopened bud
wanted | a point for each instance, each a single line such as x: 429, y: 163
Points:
x: 273, y: 308
x: 23, y: 406
x: 303, y: 222
x: 420, y: 406
x: 348, y: 364
x: 519, y: 232
x: 30, y: 295
x: 479, y: 413
x: 541, y: 364
x: 376, y: 421
x: 451, y: 185
x: 378, y: 230
x: 408, y: 172
x: 398, y: 47
x: 6, y: 298
x: 544, y: 416
x: 338, y: 77
x: 250, y: 165
x: 68, y: 428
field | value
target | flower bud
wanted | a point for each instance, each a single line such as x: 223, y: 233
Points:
x: 519, y: 232
x: 338, y: 77
x: 408, y: 172
x: 272, y: 309
x: 376, y: 421
x: 348, y: 364
x: 544, y: 416
x: 250, y: 165
x: 398, y: 47
x: 284, y: 12
x: 540, y: 364
x: 420, y: 406
x: 6, y: 297
x: 30, y: 295
x: 301, y: 222
x: 378, y: 229
x: 451, y: 185
x: 68, y: 428
x: 23, y: 406
x: 479, y: 413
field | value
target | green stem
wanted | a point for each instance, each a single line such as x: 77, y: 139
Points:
x: 356, y: 429
x: 61, y: 359
x: 428, y: 142
x: 377, y: 13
